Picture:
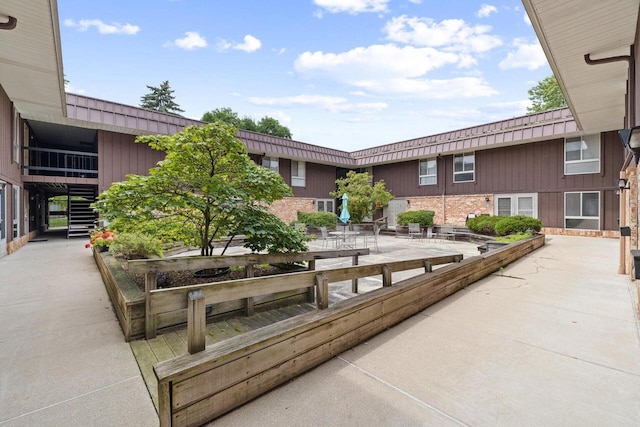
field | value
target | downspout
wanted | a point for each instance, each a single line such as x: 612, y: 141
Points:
x: 630, y: 107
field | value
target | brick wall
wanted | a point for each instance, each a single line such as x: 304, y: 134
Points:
x: 613, y: 234
x: 453, y: 210
x: 287, y: 208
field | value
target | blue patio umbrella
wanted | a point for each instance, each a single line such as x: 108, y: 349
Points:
x: 344, y: 215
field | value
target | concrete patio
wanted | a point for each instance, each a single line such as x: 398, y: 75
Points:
x: 551, y: 340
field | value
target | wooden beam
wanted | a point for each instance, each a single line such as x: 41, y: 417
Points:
x: 150, y: 284
x: 354, y: 282
x: 322, y: 291
x: 249, y: 306
x: 311, y: 294
x: 141, y: 266
x: 386, y: 276
x: 196, y: 322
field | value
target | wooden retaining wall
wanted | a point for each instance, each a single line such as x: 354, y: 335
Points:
x: 197, y: 388
x: 130, y: 303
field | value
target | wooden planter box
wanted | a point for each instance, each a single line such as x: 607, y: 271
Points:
x: 129, y: 301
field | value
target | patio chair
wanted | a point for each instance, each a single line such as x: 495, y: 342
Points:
x: 446, y: 232
x: 326, y: 238
x: 372, y: 237
x: 415, y: 230
x: 301, y: 226
x: 430, y: 234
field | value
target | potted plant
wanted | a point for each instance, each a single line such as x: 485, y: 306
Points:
x: 101, y: 238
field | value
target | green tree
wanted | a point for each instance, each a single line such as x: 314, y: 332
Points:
x: 160, y: 99
x: 271, y: 126
x: 365, y: 198
x: 266, y: 125
x: 546, y: 95
x: 205, y: 188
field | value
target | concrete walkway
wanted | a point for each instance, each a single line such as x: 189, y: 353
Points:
x: 63, y: 359
x: 551, y: 340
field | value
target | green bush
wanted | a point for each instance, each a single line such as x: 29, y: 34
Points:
x: 484, y: 224
x: 517, y: 224
x: 424, y: 218
x: 317, y: 219
x: 135, y: 246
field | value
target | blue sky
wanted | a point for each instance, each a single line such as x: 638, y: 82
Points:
x: 346, y: 74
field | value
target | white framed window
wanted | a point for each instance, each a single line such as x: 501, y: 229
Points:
x: 582, y: 155
x: 464, y: 166
x: 16, y: 212
x: 271, y: 163
x: 298, y: 173
x: 516, y: 204
x: 428, y: 172
x: 326, y: 205
x: 15, y: 151
x: 582, y: 210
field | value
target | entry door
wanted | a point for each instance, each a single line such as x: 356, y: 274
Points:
x: 395, y: 207
x: 3, y: 219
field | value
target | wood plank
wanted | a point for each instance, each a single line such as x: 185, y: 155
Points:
x: 196, y: 322
x: 142, y: 266
x: 161, y: 349
x: 146, y: 359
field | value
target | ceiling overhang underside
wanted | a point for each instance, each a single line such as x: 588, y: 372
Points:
x: 568, y: 30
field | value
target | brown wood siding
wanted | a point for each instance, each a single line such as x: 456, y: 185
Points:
x: 320, y: 180
x: 119, y: 155
x: 9, y: 171
x: 530, y: 168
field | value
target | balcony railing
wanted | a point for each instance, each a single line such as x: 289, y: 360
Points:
x: 54, y: 162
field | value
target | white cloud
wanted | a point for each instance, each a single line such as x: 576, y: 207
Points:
x: 68, y: 87
x: 250, y: 44
x: 527, y: 20
x: 461, y: 87
x: 332, y: 104
x: 114, y: 28
x: 486, y: 10
x: 192, y: 40
x: 526, y: 55
x: 352, y: 7
x: 376, y: 61
x: 449, y: 34
x: 415, y: 1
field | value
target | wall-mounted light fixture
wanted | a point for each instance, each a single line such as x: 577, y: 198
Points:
x: 631, y: 139
x: 623, y: 184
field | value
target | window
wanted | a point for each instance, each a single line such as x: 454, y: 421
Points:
x: 16, y: 212
x: 428, y: 174
x: 271, y: 163
x: 582, y: 155
x: 15, y: 151
x: 516, y: 204
x: 582, y: 210
x: 464, y: 167
x: 297, y: 173
x: 325, y: 205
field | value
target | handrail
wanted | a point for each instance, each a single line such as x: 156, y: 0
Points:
x: 55, y: 150
x: 172, y: 299
x: 197, y: 262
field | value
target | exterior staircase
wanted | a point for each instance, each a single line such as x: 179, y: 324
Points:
x: 81, y: 217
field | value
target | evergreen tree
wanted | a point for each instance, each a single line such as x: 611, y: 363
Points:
x: 266, y: 125
x: 160, y: 99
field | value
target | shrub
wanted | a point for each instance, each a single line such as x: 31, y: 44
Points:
x: 517, y: 224
x: 513, y: 237
x: 318, y: 219
x: 136, y: 246
x: 424, y: 218
x: 484, y: 224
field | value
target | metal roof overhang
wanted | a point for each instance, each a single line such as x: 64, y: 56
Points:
x: 568, y: 30
x: 31, y: 59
